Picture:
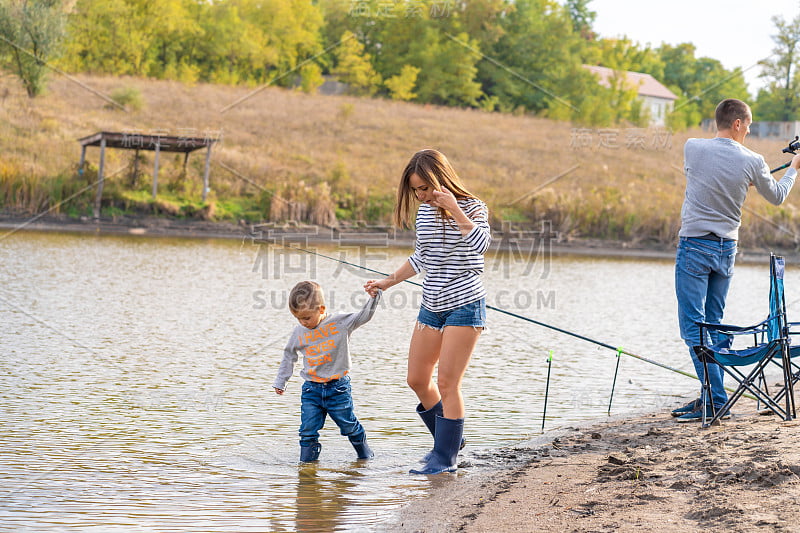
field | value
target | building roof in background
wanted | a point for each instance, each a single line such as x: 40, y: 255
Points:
x: 647, y: 84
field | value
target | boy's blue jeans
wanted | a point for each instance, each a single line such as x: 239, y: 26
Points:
x: 703, y: 272
x: 333, y: 398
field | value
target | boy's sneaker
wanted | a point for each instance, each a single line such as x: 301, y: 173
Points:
x: 690, y: 407
x: 697, y: 416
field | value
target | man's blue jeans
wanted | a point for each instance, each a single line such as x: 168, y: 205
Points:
x: 703, y: 272
x: 333, y: 398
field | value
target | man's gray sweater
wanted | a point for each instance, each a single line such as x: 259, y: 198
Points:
x: 718, y: 174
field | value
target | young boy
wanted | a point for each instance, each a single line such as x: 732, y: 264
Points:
x: 324, y: 343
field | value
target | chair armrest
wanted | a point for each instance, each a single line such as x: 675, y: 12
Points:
x: 729, y: 327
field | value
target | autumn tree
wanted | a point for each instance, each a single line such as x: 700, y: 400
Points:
x: 353, y: 66
x: 401, y: 86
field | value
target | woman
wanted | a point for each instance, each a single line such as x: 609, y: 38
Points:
x: 453, y: 233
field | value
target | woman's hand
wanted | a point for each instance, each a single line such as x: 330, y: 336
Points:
x: 444, y: 199
x: 447, y: 201
x: 372, y: 286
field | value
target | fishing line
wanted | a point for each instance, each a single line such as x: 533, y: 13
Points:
x: 499, y: 310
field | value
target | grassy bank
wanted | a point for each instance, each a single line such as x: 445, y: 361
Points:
x: 322, y: 159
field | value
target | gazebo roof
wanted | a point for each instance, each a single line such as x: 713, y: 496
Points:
x: 141, y: 141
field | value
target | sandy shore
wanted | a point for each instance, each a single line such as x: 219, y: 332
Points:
x: 646, y: 473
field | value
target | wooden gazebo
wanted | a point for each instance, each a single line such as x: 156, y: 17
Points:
x: 138, y: 141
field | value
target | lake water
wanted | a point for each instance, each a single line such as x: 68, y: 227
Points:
x: 135, y: 392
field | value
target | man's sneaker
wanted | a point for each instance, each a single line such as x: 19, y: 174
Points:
x: 690, y: 407
x: 697, y: 416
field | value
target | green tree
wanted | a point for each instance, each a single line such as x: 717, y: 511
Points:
x: 106, y: 36
x: 311, y: 77
x: 713, y: 83
x: 626, y: 55
x: 618, y: 100
x: 226, y: 41
x: 582, y: 18
x: 289, y: 34
x: 31, y: 32
x: 233, y: 49
x: 401, y: 86
x: 536, y: 64
x: 447, y: 68
x: 782, y: 99
x: 700, y: 83
x: 353, y: 66
x: 173, y: 32
x: 482, y: 20
x: 445, y: 55
x: 338, y: 17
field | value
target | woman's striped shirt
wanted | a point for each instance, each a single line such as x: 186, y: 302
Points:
x: 453, y: 263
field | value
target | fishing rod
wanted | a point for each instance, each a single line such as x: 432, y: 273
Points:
x: 499, y: 310
x: 793, y: 147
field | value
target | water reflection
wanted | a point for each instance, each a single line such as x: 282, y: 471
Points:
x: 320, y: 503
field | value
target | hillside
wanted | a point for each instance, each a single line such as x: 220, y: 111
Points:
x: 279, y: 149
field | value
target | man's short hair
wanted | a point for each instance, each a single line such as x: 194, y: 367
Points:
x: 728, y: 111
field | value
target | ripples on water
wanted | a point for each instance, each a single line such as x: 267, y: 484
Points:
x: 136, y: 385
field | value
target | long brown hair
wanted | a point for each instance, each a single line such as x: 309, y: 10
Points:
x: 433, y: 168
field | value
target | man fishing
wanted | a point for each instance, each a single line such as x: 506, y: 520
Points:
x: 719, y: 172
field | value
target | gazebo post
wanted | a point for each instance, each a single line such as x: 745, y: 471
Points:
x: 135, y: 168
x: 83, y: 160
x: 205, y: 173
x: 100, y: 179
x: 155, y: 171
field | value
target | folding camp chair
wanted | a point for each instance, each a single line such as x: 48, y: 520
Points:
x: 769, y: 345
x: 793, y: 366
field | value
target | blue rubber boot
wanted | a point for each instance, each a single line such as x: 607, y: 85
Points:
x: 310, y: 453
x: 446, y: 443
x: 362, y: 448
x: 429, y: 418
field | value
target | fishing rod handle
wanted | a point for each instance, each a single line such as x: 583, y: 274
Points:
x: 785, y: 165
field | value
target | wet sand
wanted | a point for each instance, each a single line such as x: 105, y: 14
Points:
x: 646, y: 473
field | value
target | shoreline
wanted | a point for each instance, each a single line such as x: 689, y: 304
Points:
x: 161, y: 227
x: 638, y: 473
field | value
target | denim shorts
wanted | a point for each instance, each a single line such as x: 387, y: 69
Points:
x: 471, y: 314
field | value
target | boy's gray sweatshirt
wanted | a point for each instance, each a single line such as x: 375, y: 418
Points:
x: 719, y: 172
x: 325, y: 349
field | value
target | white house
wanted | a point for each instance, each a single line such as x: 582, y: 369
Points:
x: 655, y: 97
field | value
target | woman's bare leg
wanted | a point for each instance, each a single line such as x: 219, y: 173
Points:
x: 423, y: 354
x: 457, y: 344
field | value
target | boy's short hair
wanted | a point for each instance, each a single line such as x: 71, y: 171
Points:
x: 306, y: 295
x: 728, y: 111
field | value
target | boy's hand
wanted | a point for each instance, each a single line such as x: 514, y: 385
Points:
x: 277, y: 390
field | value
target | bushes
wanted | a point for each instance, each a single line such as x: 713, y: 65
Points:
x: 128, y: 97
